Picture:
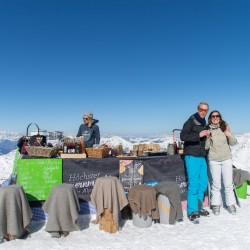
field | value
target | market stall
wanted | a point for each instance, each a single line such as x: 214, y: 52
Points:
x: 43, y: 166
x: 38, y: 176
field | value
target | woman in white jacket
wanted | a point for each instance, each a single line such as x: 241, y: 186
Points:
x: 220, y: 162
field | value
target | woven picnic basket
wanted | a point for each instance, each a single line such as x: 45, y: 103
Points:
x: 97, y: 152
x: 47, y: 152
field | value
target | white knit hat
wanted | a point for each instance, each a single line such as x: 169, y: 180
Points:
x: 88, y: 114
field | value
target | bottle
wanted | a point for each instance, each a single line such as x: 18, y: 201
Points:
x: 65, y: 148
x: 69, y: 147
x: 73, y: 147
x: 77, y: 148
x: 170, y: 149
x: 175, y: 148
x: 181, y: 148
x: 120, y: 149
x: 82, y: 149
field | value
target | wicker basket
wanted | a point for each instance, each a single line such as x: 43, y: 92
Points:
x: 47, y: 152
x: 97, y: 152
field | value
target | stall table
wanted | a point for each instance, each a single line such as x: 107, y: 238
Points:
x: 38, y: 175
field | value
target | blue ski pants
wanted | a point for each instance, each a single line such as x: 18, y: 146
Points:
x: 197, y: 181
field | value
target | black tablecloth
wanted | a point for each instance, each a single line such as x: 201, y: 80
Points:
x: 82, y: 173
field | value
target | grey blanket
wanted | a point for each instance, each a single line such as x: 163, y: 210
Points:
x: 172, y: 191
x: 62, y: 207
x: 240, y: 176
x: 15, y: 212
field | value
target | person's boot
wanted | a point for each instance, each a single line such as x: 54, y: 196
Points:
x: 232, y: 209
x: 193, y: 216
x: 216, y: 210
x: 201, y: 210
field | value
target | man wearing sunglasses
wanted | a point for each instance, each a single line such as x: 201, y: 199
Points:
x: 194, y: 133
x: 90, y: 130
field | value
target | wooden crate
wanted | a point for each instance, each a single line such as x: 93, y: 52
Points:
x: 147, y: 147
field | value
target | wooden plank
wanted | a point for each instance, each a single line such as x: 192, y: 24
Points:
x: 73, y: 156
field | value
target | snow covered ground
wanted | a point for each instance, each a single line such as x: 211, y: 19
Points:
x: 225, y: 231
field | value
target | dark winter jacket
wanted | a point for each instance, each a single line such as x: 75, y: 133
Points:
x: 91, y: 135
x: 193, y: 144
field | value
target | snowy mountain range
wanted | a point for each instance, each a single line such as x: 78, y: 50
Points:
x: 8, y: 141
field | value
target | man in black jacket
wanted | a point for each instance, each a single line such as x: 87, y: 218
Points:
x: 194, y: 133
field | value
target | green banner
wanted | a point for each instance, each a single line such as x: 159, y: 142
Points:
x: 39, y: 176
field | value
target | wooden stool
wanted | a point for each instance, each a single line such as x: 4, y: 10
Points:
x: 107, y: 222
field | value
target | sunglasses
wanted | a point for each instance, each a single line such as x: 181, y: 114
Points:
x: 84, y: 118
x: 203, y: 110
x: 215, y: 116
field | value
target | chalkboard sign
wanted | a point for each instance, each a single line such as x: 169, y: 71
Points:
x: 39, y: 176
x: 131, y: 173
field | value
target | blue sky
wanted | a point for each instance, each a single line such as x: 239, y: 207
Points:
x: 141, y: 66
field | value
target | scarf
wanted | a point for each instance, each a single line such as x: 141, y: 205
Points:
x: 214, y: 126
x: 202, y: 121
